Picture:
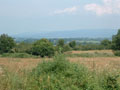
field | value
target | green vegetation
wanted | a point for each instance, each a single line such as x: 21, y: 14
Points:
x: 6, y: 43
x: 59, y: 74
x: 116, y: 43
x: 106, y: 44
x: 18, y: 55
x: 22, y: 47
x: 42, y: 48
x: 72, y: 44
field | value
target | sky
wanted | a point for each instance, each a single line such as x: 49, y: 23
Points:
x: 19, y: 16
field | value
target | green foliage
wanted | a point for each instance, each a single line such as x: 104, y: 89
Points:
x: 66, y: 48
x: 22, y: 47
x: 60, y: 74
x: 91, y: 47
x: 109, y: 81
x: 60, y: 43
x: 117, y: 52
x: 62, y: 47
x: 106, y: 43
x: 6, y: 43
x: 72, y: 44
x: 116, y: 43
x: 43, y: 48
x: 17, y: 55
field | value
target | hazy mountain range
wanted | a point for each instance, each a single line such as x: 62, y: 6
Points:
x: 99, y: 33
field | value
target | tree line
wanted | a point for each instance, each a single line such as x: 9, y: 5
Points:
x: 45, y: 47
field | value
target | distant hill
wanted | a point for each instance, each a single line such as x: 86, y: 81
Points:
x: 98, y: 33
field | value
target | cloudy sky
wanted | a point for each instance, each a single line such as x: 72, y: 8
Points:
x: 18, y: 16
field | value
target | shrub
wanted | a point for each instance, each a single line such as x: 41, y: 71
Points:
x: 116, y: 53
x: 109, y: 81
x: 43, y: 48
x: 60, y: 74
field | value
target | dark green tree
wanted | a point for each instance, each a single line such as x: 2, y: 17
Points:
x: 6, y: 43
x: 43, y: 48
x: 106, y: 44
x: 61, y: 43
x: 116, y: 41
x: 72, y: 44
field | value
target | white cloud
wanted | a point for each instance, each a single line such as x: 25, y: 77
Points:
x: 66, y: 10
x: 108, y: 7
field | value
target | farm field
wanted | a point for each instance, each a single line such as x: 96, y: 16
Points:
x: 100, y: 63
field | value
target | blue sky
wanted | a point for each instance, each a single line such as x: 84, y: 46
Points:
x: 18, y: 16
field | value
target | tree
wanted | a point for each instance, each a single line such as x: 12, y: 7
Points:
x: 43, y: 48
x: 6, y: 43
x: 72, y: 44
x: 60, y: 43
x: 106, y: 44
x: 116, y: 41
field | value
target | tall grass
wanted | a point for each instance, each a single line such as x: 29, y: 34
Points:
x: 59, y: 74
x: 89, y: 55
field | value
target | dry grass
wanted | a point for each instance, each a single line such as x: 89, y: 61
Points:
x: 97, y: 63
x: 18, y: 64
x: 92, y: 51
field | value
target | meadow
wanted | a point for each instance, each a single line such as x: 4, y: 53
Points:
x: 84, y: 70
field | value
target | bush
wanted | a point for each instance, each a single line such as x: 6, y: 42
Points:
x: 60, y: 74
x: 109, y: 81
x: 116, y: 53
x: 43, y: 48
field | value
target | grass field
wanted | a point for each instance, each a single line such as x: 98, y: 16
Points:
x: 98, y: 62
x: 105, y: 61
